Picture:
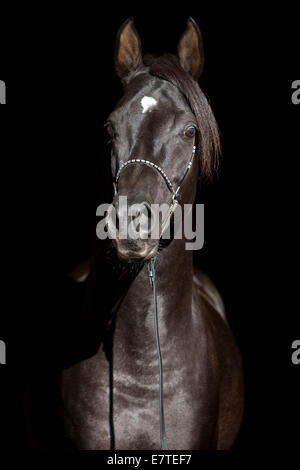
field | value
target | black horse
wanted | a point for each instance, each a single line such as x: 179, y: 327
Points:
x: 110, y: 398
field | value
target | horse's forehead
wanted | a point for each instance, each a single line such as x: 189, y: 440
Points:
x: 155, y: 94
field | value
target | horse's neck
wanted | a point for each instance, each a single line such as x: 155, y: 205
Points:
x: 174, y: 276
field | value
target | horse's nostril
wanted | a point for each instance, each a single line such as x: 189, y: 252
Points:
x: 117, y: 221
x: 148, y: 210
x: 132, y: 221
x: 145, y: 214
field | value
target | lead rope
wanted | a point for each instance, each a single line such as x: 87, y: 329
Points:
x: 151, y: 271
x: 163, y: 438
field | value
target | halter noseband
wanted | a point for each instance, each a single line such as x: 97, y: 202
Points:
x: 160, y: 171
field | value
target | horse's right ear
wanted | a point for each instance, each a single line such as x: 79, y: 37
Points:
x: 128, y: 52
x: 190, y: 50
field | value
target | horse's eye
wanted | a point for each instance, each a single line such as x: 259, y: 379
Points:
x: 190, y: 131
x: 110, y: 130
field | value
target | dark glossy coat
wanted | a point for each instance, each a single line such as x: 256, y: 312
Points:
x: 110, y: 399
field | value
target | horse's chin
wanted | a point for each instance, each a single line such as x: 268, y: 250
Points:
x: 141, y: 255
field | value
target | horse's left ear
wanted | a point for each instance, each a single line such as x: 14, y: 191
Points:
x: 190, y: 50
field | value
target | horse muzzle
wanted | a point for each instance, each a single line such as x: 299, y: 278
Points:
x: 130, y: 228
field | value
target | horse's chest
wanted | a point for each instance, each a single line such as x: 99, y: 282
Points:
x: 137, y: 420
x: 113, y: 407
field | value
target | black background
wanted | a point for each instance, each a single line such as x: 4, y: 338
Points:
x: 61, y: 85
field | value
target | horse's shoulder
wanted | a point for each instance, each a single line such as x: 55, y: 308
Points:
x: 204, y: 287
x: 81, y: 272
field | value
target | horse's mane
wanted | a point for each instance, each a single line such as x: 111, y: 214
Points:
x: 168, y: 68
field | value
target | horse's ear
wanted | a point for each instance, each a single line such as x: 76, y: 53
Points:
x: 190, y: 50
x: 128, y: 52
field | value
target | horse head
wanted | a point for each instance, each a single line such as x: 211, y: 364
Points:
x: 161, y: 122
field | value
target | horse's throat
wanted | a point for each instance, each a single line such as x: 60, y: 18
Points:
x: 135, y: 317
